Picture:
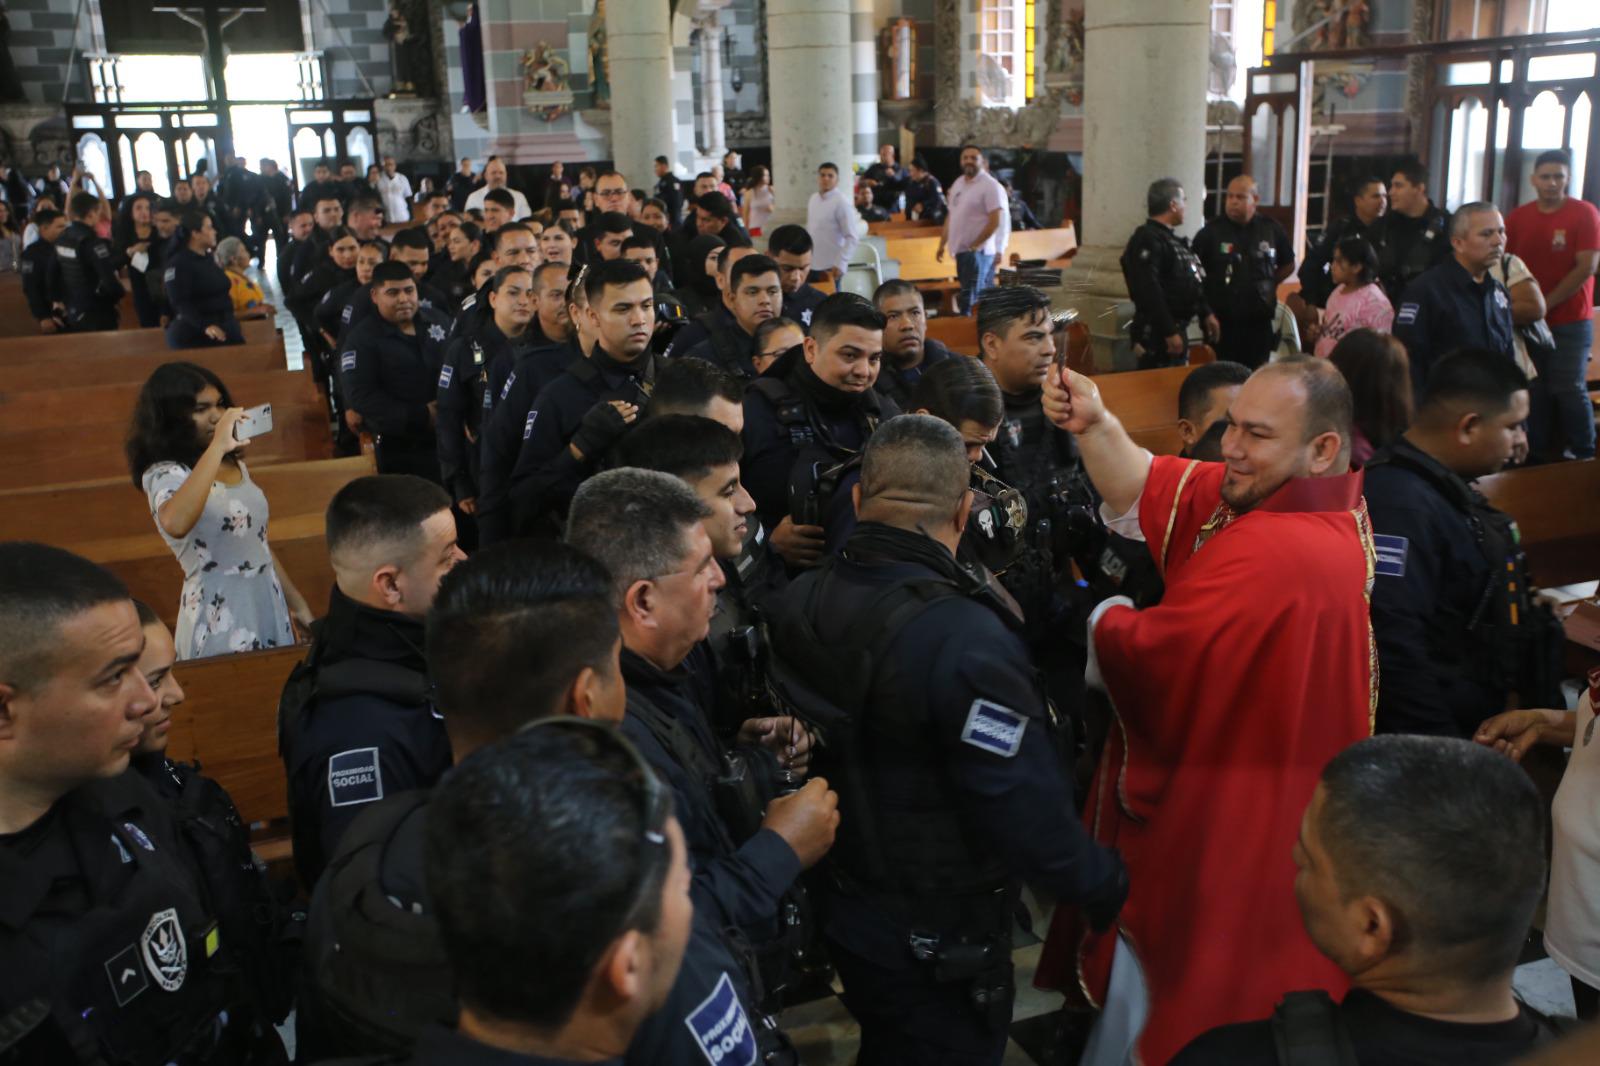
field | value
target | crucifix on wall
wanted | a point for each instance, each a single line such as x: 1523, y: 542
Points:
x: 212, y: 17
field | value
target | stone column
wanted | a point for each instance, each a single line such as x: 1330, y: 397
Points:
x: 1144, y: 118
x: 716, y: 130
x: 640, y: 43
x: 808, y: 52
x: 864, y: 81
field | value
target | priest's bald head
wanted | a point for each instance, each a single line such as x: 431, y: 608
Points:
x: 915, y: 476
x: 1291, y: 419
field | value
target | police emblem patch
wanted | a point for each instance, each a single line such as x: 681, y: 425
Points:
x: 1391, y: 554
x: 436, y: 332
x: 720, y: 1026
x: 138, y: 836
x: 994, y: 728
x: 354, y: 777
x: 347, y: 361
x: 446, y: 372
x: 166, y: 955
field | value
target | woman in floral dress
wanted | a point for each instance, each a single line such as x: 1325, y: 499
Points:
x: 185, y: 457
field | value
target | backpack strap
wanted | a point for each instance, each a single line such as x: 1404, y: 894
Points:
x: 1309, y: 1031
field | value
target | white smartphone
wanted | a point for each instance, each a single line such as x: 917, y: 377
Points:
x: 254, y: 422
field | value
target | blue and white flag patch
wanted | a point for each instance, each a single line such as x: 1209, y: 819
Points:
x: 347, y: 361
x: 723, y: 1031
x: 354, y: 777
x: 527, y: 427
x: 993, y: 728
x: 511, y: 379
x: 446, y: 372
x: 1391, y: 554
x: 1407, y: 315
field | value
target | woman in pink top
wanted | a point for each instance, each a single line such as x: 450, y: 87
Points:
x: 1357, y: 301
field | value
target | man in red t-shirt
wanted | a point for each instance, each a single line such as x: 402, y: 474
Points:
x: 1558, y: 236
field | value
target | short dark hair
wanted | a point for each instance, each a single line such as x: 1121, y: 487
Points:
x: 1413, y: 171
x: 655, y: 202
x: 501, y: 196
x: 919, y: 161
x: 364, y: 201
x: 636, y: 242
x: 792, y: 238
x: 975, y: 147
x: 686, y: 385
x: 1001, y: 308
x: 612, y: 222
x: 511, y: 629
x: 715, y: 204
x: 1159, y: 196
x: 382, y: 509
x: 162, y: 427
x: 412, y: 237
x: 685, y: 446
x: 843, y: 309
x: 1202, y: 381
x: 771, y: 326
x: 617, y: 272
x: 959, y: 390
x: 1378, y: 371
x: 1359, y: 253
x: 44, y: 217
x: 1465, y: 876
x: 828, y: 166
x: 147, y: 614
x: 541, y: 847
x: 539, y: 271
x: 387, y: 271
x: 635, y: 522
x: 41, y: 588
x: 82, y: 204
x: 919, y: 461
x: 663, y: 160
x: 502, y: 275
x: 750, y: 266
x: 325, y: 196
x: 1477, y: 377
x: 1553, y: 155
x: 1362, y: 184
x: 893, y: 287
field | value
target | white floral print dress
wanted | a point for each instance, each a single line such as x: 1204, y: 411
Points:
x: 232, y: 599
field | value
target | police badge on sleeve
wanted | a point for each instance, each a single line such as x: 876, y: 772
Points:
x: 722, y: 1029
x: 165, y: 954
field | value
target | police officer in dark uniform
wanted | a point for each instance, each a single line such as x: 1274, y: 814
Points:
x: 578, y: 417
x: 1457, y: 628
x: 474, y: 374
x: 356, y: 720
x: 299, y: 225
x: 389, y: 369
x: 41, y: 273
x: 198, y: 289
x: 790, y: 247
x: 1413, y: 236
x: 951, y: 773
x: 1245, y: 255
x: 754, y: 294
x: 907, y: 351
x: 1165, y: 281
x: 327, y: 214
x: 748, y: 843
x: 249, y: 916
x: 335, y: 312
x: 716, y: 310
x: 1369, y: 203
x: 89, y: 283
x: 109, y: 947
x: 410, y: 246
x: 805, y: 422
x: 1459, y: 304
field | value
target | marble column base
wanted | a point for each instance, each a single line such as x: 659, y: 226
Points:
x: 1093, y: 285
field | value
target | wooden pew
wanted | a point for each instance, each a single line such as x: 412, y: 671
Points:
x: 1146, y: 401
x: 65, y: 349
x: 903, y: 227
x: 1557, y: 508
x: 919, y: 266
x: 15, y: 318
x: 108, y: 368
x: 958, y: 333
x: 1054, y: 246
x: 229, y: 723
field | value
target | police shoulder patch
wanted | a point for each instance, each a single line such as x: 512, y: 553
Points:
x: 1391, y: 552
x: 994, y: 728
x: 354, y: 777
x: 347, y: 361
x: 446, y: 372
x: 722, y: 1029
x: 505, y: 390
x: 166, y: 953
x: 527, y: 427
x: 1407, y: 315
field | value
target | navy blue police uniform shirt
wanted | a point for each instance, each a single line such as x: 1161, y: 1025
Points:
x: 509, y: 426
x: 1444, y: 310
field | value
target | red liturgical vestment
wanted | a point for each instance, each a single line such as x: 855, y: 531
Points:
x: 1256, y: 668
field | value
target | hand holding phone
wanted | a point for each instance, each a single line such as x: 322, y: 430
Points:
x: 254, y: 422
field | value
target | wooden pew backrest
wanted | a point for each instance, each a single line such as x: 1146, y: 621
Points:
x: 63, y: 348
x: 1557, y: 508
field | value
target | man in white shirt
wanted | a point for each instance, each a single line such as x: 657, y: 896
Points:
x: 972, y: 228
x: 494, y: 177
x: 831, y: 220
x: 395, y: 189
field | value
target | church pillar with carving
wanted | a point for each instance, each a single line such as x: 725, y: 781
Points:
x: 715, y: 135
x: 1145, y: 71
x: 809, y: 69
x: 864, y: 80
x: 639, y: 37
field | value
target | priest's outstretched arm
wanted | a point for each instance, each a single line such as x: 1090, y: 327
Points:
x: 1118, y: 467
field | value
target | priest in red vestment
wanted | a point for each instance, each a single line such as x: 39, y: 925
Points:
x: 1230, y: 695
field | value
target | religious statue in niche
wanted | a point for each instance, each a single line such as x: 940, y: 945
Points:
x: 545, y: 89
x: 1330, y: 24
x: 410, y: 48
x: 599, y: 57
x: 1064, y: 57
